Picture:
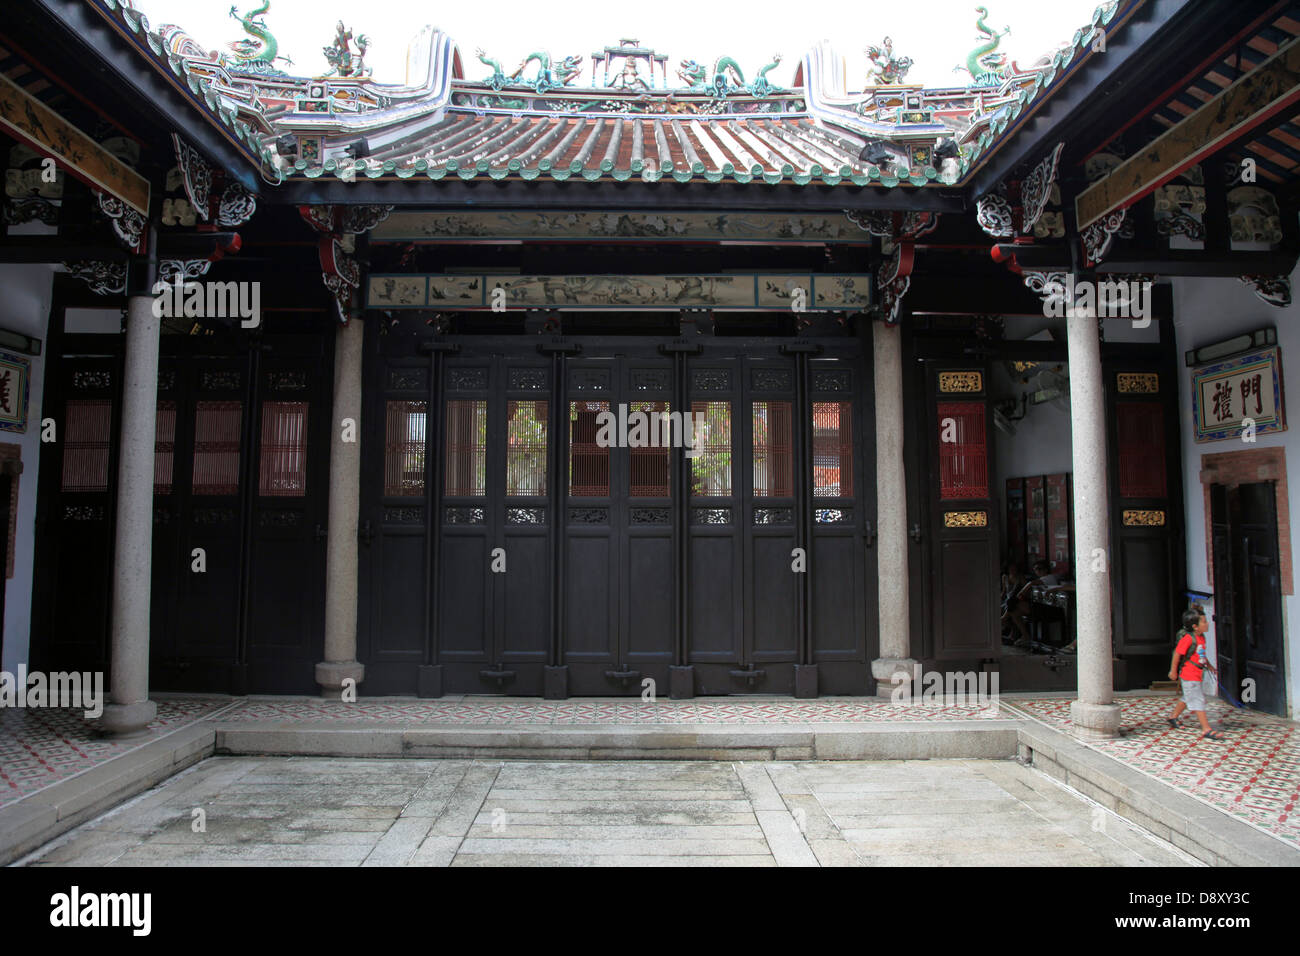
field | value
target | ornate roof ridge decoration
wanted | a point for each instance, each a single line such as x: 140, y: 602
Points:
x: 196, y: 176
x: 893, y: 225
x: 886, y: 69
x: 1029, y: 86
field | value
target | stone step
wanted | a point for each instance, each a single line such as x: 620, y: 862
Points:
x: 994, y: 738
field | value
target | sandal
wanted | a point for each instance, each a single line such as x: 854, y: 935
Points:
x: 1175, y: 723
x: 1213, y: 735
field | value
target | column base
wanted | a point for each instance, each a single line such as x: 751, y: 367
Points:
x: 681, y: 683
x: 331, y: 675
x: 555, y: 682
x: 805, y: 681
x: 1094, y: 721
x: 428, y: 681
x: 127, y: 720
x: 883, y: 670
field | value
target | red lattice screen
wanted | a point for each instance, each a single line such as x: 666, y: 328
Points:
x: 283, y: 462
x: 832, y: 450
x: 1141, y: 427
x: 526, y: 448
x: 650, y: 464
x: 217, y: 427
x: 773, y: 450
x: 404, y: 448
x: 85, y: 445
x: 588, y: 461
x: 963, y: 452
x: 466, y: 450
x: 711, y: 468
x: 164, y: 448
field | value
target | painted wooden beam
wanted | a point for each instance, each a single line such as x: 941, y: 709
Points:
x: 45, y: 131
x: 1272, y: 87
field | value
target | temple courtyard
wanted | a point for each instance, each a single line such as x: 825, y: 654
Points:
x: 708, y: 781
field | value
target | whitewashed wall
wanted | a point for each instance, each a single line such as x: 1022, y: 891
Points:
x: 1210, y: 310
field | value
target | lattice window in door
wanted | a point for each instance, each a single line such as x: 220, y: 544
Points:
x: 217, y: 430
x: 773, y: 450
x: 963, y: 452
x: 282, y: 471
x: 404, y: 434
x: 86, y: 440
x: 526, y: 423
x: 832, y: 450
x: 588, y: 456
x: 164, y: 449
x: 649, y: 436
x: 466, y: 448
x: 1141, y: 428
x: 711, y: 467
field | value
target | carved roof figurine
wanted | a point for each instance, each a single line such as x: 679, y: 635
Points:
x: 886, y: 69
x: 339, y: 54
x: 986, y: 67
x: 256, y: 55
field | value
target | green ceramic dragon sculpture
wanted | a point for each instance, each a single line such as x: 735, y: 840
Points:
x: 760, y: 86
x: 498, y: 78
x: 982, y: 63
x: 727, y: 77
x: 256, y: 55
x: 548, y: 78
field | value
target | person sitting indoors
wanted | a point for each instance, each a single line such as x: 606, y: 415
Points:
x: 1043, y: 575
x: 1012, y: 581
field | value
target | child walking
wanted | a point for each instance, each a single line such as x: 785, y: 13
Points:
x: 1191, y: 645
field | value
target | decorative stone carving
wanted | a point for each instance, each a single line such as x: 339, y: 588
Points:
x: 236, y: 207
x: 127, y: 223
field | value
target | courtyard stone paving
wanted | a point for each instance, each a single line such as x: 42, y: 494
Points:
x: 309, y: 811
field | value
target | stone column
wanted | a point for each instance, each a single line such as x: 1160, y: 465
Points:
x: 130, y: 710
x: 1094, y: 714
x: 345, y: 498
x: 891, y: 510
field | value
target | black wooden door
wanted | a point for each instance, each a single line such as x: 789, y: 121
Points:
x: 288, y: 486
x: 494, y: 568
x: 963, y: 516
x: 619, y: 587
x: 200, y: 450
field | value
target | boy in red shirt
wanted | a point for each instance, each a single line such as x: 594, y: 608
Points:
x: 1191, y: 645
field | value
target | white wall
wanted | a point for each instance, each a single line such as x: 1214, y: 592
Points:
x: 1210, y: 310
x: 25, y: 292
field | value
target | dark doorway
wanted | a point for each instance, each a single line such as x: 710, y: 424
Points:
x: 1248, y: 594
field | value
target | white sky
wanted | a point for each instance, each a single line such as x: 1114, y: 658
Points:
x: 936, y: 34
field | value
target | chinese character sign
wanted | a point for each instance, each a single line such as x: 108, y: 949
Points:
x: 14, y: 370
x: 1229, y: 395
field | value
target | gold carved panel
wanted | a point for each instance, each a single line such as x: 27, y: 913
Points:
x: 1136, y: 518
x: 1142, y: 383
x: 961, y: 381
x: 965, y: 519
